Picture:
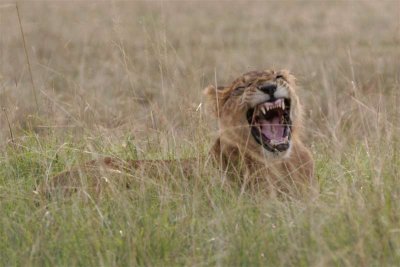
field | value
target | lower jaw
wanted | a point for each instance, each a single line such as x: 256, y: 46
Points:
x: 280, y: 148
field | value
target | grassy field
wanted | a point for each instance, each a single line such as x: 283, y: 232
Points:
x: 124, y: 79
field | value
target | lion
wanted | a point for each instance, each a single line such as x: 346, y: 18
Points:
x: 258, y: 144
x: 260, y: 128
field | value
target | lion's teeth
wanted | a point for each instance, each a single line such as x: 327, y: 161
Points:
x: 280, y: 103
x: 263, y: 110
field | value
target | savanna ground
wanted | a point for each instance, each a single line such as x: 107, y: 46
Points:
x: 124, y: 79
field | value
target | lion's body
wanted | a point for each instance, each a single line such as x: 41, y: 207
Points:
x: 279, y: 163
x: 98, y: 175
x: 291, y: 174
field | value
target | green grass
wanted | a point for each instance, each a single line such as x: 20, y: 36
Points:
x: 177, y: 220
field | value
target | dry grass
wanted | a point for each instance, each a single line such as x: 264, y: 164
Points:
x: 125, y: 79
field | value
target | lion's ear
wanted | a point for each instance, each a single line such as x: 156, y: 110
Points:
x: 215, y: 98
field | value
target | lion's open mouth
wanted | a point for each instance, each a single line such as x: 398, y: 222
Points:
x: 271, y: 124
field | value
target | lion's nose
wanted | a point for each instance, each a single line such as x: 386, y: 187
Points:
x: 268, y: 89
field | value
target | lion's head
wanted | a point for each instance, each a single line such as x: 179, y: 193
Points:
x: 259, y: 112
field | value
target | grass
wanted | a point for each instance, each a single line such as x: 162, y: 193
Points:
x: 124, y: 79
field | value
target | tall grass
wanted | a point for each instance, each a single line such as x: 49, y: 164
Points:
x: 124, y: 79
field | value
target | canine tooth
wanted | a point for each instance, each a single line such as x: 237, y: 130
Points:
x: 283, y: 105
x: 263, y: 110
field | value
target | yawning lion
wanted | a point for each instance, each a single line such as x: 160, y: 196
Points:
x: 260, y: 123
x: 258, y: 144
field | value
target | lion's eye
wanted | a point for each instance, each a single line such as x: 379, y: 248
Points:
x: 238, y: 90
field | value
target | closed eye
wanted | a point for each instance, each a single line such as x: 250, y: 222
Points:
x: 238, y: 90
x: 280, y: 77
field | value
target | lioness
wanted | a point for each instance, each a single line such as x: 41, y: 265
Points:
x: 260, y: 123
x: 258, y: 144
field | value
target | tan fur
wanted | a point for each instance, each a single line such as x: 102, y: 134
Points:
x: 96, y: 176
x: 236, y: 149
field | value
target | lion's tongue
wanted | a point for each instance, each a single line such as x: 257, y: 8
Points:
x: 272, y: 129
